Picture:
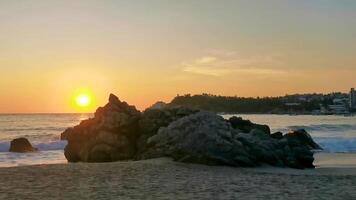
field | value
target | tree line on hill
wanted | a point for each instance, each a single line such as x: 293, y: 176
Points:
x: 297, y: 103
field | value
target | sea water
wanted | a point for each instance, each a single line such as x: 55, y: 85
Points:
x: 333, y: 133
x: 42, y: 130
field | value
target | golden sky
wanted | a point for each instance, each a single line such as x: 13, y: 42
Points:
x: 145, y: 51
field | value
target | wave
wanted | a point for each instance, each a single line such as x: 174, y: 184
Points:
x: 4, y: 146
x: 325, y: 127
x: 34, y: 129
x: 43, y: 146
x: 337, y: 145
x: 54, y: 145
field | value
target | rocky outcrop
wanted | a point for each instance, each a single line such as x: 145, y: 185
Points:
x: 110, y: 136
x: 21, y: 145
x: 119, y: 132
x: 207, y: 138
x: 247, y: 125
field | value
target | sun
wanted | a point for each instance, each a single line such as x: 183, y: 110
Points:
x: 83, y: 100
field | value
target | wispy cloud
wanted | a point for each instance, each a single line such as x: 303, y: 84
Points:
x: 210, y: 71
x: 220, y: 64
x: 206, y: 60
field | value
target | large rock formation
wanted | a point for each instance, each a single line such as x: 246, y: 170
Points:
x: 110, y: 136
x: 21, y: 145
x: 207, y: 138
x: 120, y: 132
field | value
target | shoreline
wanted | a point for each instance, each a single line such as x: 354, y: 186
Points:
x: 322, y: 160
x: 164, y: 179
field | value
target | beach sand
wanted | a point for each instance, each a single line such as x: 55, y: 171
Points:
x: 165, y: 179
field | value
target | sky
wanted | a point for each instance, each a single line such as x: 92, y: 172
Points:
x: 145, y: 51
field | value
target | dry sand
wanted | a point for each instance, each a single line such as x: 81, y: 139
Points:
x: 165, y: 179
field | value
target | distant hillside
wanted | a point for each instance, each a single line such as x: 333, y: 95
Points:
x: 298, y: 103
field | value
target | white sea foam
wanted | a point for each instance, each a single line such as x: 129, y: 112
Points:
x: 337, y: 145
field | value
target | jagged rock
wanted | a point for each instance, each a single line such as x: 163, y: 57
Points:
x: 114, y: 100
x: 301, y: 137
x: 111, y: 135
x: 21, y: 145
x: 247, y: 125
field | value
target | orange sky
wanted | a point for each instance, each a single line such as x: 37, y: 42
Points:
x: 145, y: 52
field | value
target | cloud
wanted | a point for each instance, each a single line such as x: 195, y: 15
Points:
x: 206, y: 60
x: 219, y: 52
x: 225, y: 63
x: 262, y: 71
x: 210, y: 71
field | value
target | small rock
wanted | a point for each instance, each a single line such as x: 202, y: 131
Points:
x: 21, y: 145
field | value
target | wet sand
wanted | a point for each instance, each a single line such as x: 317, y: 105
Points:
x: 165, y: 179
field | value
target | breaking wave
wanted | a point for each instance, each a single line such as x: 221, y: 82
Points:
x: 42, y: 146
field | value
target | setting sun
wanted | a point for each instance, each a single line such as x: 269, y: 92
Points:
x: 83, y: 100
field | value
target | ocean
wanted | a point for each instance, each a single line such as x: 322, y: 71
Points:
x: 336, y: 134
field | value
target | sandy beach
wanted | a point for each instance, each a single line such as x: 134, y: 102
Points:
x: 165, y: 179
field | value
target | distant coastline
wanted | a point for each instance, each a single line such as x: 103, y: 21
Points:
x: 296, y: 104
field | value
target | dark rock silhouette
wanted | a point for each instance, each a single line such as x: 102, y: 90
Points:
x: 119, y: 132
x: 21, y: 145
x: 301, y: 137
x: 247, y: 125
x: 111, y: 135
